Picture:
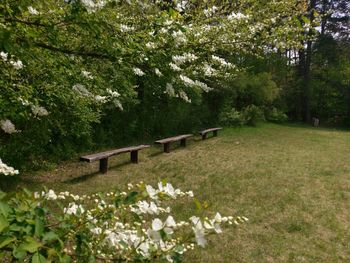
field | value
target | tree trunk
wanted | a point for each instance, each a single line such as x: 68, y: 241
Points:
x: 304, y: 69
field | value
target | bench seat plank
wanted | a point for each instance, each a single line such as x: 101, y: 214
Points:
x: 106, y: 154
x: 166, y: 142
x: 209, y: 130
x: 173, y: 139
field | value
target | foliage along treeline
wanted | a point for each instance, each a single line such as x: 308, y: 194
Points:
x: 79, y: 73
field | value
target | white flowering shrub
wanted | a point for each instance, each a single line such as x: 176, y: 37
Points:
x: 7, y: 170
x: 66, y: 65
x: 133, y: 226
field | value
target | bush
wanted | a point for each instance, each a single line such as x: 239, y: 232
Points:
x: 132, y: 226
x: 275, y: 115
x: 231, y: 118
x: 253, y: 115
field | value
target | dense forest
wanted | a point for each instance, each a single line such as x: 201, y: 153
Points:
x: 81, y: 75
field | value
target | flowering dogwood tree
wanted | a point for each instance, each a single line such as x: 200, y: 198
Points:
x: 55, y: 52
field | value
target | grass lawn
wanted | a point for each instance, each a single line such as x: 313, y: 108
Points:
x: 292, y: 182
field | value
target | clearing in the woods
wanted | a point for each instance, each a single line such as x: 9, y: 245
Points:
x: 292, y: 182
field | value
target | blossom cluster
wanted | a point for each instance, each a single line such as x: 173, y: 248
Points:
x: 135, y: 224
x: 8, y: 127
x: 16, y: 64
x: 110, y: 95
x: 7, y: 170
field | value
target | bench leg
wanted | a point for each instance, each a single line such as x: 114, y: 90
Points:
x: 183, y: 142
x: 104, y: 165
x: 215, y: 133
x: 134, y: 156
x: 204, y: 136
x: 167, y: 147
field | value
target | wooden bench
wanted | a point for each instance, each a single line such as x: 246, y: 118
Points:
x: 103, y: 156
x: 166, y: 142
x: 205, y: 132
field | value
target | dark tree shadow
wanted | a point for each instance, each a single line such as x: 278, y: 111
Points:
x: 85, y: 177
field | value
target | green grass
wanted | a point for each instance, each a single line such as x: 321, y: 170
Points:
x: 292, y: 182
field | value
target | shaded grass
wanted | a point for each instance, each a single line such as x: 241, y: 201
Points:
x: 293, y: 182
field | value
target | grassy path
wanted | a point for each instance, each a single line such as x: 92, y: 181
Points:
x: 292, y: 182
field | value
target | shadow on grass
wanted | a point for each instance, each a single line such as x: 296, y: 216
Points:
x: 173, y: 147
x: 9, y: 184
x: 82, y: 178
x: 86, y: 177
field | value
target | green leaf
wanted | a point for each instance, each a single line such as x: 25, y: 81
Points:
x: 305, y: 19
x: 198, y: 204
x: 5, y: 209
x: 4, y: 241
x: 130, y: 198
x: 3, y: 223
x: 30, y: 245
x: 38, y: 258
x: 2, y: 195
x: 19, y: 253
x: 65, y: 259
x: 39, y: 227
x: 50, y: 236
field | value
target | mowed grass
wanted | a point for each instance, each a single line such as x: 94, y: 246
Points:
x: 292, y: 182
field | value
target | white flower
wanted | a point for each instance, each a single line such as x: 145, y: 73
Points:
x: 186, y: 57
x: 222, y: 62
x: 210, y: 11
x: 157, y: 224
x: 24, y: 101
x: 96, y: 230
x: 170, y: 90
x: 7, y: 126
x: 87, y: 74
x: 126, y: 28
x: 153, y: 194
x: 113, y: 93
x: 51, y: 195
x: 81, y: 90
x: 39, y: 111
x: 181, y: 5
x: 118, y: 104
x: 92, y: 6
x: 144, y: 249
x: 218, y: 218
x: 151, y: 45
x: 73, y: 209
x: 32, y: 11
x: 142, y: 207
x: 102, y: 99
x: 187, y: 81
x: 203, y: 86
x: 168, y: 189
x: 174, y: 67
x: 17, y: 64
x: 7, y: 170
x: 179, y: 37
x: 158, y: 73
x: 170, y: 222
x: 3, y: 56
x: 190, y: 193
x: 138, y: 72
x: 208, y: 70
x: 199, y: 231
x: 184, y: 96
x: 237, y: 16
